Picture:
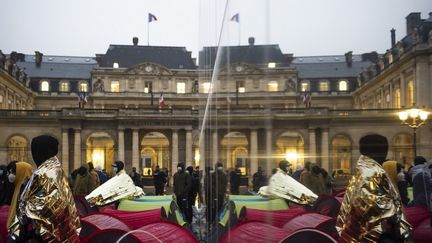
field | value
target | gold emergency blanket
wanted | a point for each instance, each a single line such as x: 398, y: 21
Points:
x: 282, y: 185
x: 120, y: 186
x: 370, y: 199
x: 48, y: 203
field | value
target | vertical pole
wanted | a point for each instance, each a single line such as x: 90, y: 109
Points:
x: 148, y: 32
x: 415, y: 141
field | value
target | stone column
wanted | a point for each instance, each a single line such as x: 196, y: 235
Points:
x: 174, y: 151
x: 325, y: 149
x: 254, y: 152
x: 215, y: 149
x: 189, y: 157
x: 402, y: 86
x: 77, y: 149
x: 422, y: 86
x: 312, y: 145
x: 65, y: 151
x: 269, y: 152
x: 121, y: 148
x: 135, y: 148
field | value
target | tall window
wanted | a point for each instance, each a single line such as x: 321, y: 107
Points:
x: 410, y: 93
x: 343, y: 85
x: 181, y: 87
x: 206, y: 87
x: 64, y: 86
x: 323, y: 86
x: 83, y: 87
x: 241, y: 86
x: 45, y: 86
x: 147, y: 87
x: 272, y: 86
x: 115, y: 86
x: 304, y: 86
x: 396, y: 99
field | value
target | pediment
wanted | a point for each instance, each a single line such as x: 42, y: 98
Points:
x: 240, y: 69
x: 148, y: 68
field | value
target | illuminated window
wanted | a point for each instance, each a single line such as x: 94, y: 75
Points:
x: 271, y: 65
x: 181, y: 88
x: 343, y: 85
x: 115, y: 65
x: 390, y: 58
x: 64, y: 86
x: 241, y: 87
x: 323, y: 86
x: 410, y: 93
x: 206, y: 87
x: 304, y: 86
x: 115, y: 86
x: 83, y: 87
x: 45, y: 86
x: 397, y: 98
x: 148, y: 87
x: 1, y: 99
x: 272, y: 86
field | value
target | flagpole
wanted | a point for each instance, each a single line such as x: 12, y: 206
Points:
x: 148, y: 32
x: 239, y: 37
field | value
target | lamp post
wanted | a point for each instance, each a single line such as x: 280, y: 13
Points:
x: 414, y: 118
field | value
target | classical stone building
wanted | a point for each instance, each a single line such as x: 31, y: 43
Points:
x: 252, y: 106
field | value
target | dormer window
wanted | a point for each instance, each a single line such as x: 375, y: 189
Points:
x: 64, y: 86
x: 343, y: 85
x: 83, y: 87
x: 44, y: 86
x: 181, y: 87
x: 304, y: 86
x: 115, y: 86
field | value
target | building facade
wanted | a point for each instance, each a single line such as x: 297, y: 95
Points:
x: 253, y: 106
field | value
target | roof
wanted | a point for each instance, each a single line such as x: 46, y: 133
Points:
x: 329, y: 66
x: 129, y: 55
x: 68, y: 67
x: 251, y: 54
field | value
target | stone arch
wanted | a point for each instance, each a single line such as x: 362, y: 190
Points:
x: 154, y: 150
x: 341, y: 152
x: 100, y: 149
x: 234, y: 151
x: 17, y: 146
x: 402, y: 148
x: 290, y: 146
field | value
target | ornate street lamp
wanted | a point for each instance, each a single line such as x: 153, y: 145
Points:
x: 414, y: 118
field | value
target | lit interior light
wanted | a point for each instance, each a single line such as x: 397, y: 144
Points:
x: 414, y: 113
x: 115, y: 65
x: 423, y: 115
x: 271, y: 65
x: 403, y: 115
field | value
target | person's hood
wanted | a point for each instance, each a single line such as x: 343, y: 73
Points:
x: 417, y: 169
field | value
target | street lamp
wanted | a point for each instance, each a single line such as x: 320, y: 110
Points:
x: 414, y: 118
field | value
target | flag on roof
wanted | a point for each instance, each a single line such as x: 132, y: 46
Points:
x: 161, y: 101
x: 307, y: 99
x: 151, y: 18
x: 228, y: 101
x: 235, y: 17
x: 82, y: 99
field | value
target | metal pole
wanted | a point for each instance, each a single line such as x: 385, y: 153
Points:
x: 415, y: 141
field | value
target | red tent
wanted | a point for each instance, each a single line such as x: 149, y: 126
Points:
x: 327, y: 205
x: 308, y: 235
x: 4, y: 212
x: 276, y: 218
x: 415, y: 215
x: 312, y: 221
x: 137, y: 219
x: 98, y: 222
x: 422, y: 233
x: 254, y: 232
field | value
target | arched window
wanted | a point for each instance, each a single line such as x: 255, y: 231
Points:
x: 396, y: 99
x: 343, y: 85
x: 304, y: 86
x: 115, y: 86
x: 44, y: 86
x: 83, y: 87
x: 323, y: 86
x: 410, y: 93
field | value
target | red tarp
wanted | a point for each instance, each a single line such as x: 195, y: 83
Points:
x: 423, y: 232
x: 164, y: 232
x: 415, y: 215
x: 308, y: 235
x: 137, y: 219
x: 327, y: 205
x: 98, y: 222
x: 313, y: 221
x: 276, y: 218
x: 254, y: 232
x: 4, y: 212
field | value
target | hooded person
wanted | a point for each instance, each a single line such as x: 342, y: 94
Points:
x: 218, y: 188
x: 421, y: 181
x: 117, y: 167
x: 182, y: 188
x: 372, y: 209
x: 47, y: 209
x: 18, y: 177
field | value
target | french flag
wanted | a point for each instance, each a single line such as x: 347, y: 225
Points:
x: 161, y: 101
x: 151, y: 18
x: 235, y: 17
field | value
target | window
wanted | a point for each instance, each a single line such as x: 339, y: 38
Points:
x: 343, y: 85
x: 115, y: 65
x: 64, y: 86
x: 272, y: 86
x: 410, y: 93
x: 271, y: 65
x: 115, y: 86
x: 390, y: 58
x: 83, y: 87
x: 181, y: 88
x: 241, y: 87
x: 148, y: 87
x: 45, y: 86
x: 1, y: 99
x: 396, y: 99
x: 206, y: 87
x: 323, y: 86
x: 304, y: 86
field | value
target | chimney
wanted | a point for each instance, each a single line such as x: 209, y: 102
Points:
x: 135, y: 41
x: 348, y: 58
x: 251, y: 41
x: 412, y: 21
x: 38, y: 58
x: 393, y: 37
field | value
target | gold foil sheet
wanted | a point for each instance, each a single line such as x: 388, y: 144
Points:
x: 48, y: 203
x: 282, y: 185
x: 120, y: 186
x: 370, y: 200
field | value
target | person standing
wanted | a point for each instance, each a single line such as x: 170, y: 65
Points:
x: 259, y: 179
x: 218, y: 189
x: 235, y: 176
x: 159, y: 180
x: 372, y: 209
x: 47, y: 210
x: 94, y: 177
x: 103, y: 176
x: 82, y: 186
x: 136, y: 177
x: 182, y: 186
x: 421, y: 181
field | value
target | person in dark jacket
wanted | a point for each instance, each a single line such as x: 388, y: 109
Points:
x: 6, y: 187
x: 191, y: 195
x: 103, y: 176
x: 136, y: 177
x: 235, y: 181
x: 218, y: 187
x: 259, y: 180
x: 159, y: 180
x: 402, y: 185
x: 182, y: 186
x: 421, y: 180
